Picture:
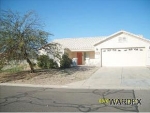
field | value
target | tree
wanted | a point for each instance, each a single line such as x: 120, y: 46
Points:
x: 21, y: 36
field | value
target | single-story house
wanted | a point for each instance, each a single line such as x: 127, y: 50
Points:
x: 119, y: 49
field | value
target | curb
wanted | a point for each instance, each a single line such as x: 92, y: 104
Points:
x: 74, y: 87
x: 31, y: 85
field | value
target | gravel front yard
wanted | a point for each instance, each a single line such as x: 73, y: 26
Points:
x: 50, y: 76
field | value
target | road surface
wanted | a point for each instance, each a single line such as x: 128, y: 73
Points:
x: 28, y: 99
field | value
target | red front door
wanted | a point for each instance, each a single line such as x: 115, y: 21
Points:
x: 79, y: 56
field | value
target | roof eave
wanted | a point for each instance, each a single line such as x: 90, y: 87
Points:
x: 79, y: 50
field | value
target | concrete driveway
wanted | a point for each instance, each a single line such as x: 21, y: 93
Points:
x: 118, y: 77
x: 123, y: 77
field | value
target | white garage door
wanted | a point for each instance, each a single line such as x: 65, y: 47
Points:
x: 123, y: 57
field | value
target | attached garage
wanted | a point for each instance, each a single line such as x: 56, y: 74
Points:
x: 123, y: 56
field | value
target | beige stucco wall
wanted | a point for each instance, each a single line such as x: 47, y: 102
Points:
x: 91, y: 54
x: 72, y: 54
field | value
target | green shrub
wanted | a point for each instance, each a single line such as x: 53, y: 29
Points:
x: 51, y: 64
x: 13, y: 69
x: 65, y: 61
x: 1, y: 64
x: 45, y: 62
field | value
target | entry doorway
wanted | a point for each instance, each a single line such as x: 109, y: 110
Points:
x: 79, y: 56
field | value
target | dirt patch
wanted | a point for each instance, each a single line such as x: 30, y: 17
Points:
x: 50, y: 76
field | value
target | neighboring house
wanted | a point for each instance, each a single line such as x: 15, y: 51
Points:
x: 119, y: 49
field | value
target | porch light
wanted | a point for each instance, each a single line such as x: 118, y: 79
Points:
x: 96, y: 49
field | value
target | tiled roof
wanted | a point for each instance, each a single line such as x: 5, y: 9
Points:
x: 73, y: 44
x: 88, y: 43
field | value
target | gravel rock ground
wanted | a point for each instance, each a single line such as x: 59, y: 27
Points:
x: 50, y: 76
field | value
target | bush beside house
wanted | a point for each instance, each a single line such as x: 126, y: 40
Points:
x: 65, y: 61
x: 45, y: 62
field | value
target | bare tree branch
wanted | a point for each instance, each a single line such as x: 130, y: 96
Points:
x: 21, y: 36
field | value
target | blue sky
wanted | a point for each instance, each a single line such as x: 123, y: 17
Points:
x: 87, y: 18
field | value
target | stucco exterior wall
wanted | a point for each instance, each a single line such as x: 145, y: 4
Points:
x: 131, y: 42
x: 148, y: 58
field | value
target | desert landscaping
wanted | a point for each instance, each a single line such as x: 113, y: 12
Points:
x: 49, y: 76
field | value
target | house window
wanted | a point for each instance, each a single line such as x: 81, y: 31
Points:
x: 114, y: 49
x: 141, y: 49
x: 119, y: 50
x: 130, y: 49
x: 108, y: 49
x: 136, y: 49
x: 122, y: 39
x: 84, y: 55
x: 104, y: 50
x: 125, y: 50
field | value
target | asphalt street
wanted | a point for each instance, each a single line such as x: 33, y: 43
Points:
x: 28, y: 99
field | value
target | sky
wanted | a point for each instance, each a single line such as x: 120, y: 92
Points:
x: 87, y: 18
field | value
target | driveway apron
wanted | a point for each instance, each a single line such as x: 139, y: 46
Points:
x: 119, y: 77
x: 136, y: 77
